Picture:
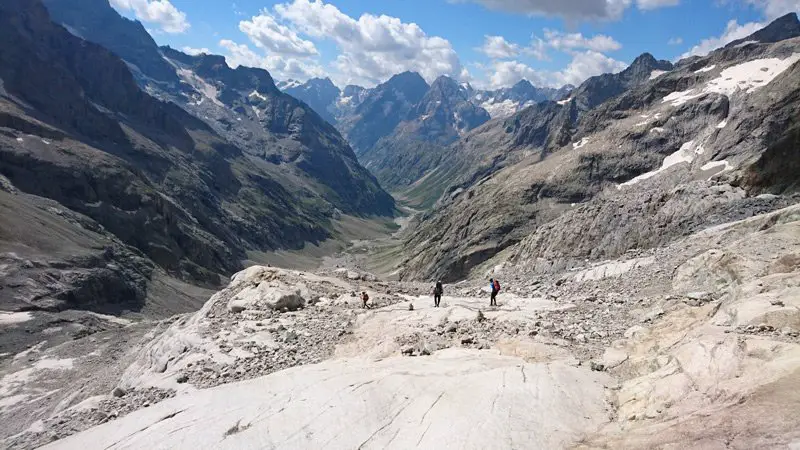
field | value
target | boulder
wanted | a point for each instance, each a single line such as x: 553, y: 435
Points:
x: 267, y: 295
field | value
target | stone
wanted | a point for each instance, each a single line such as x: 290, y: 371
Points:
x: 118, y: 392
x: 700, y: 296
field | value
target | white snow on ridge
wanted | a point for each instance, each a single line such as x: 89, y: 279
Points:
x: 657, y: 73
x: 565, y: 101
x: 685, y: 154
x: 722, y: 124
x: 745, y: 43
x: 500, y: 109
x: 706, y: 69
x: 14, y: 317
x: 200, y: 85
x: 656, y: 130
x: 747, y: 77
x: 581, y: 143
x: 257, y: 95
x: 711, y: 165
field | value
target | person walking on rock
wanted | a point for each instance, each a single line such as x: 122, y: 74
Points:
x: 494, y: 285
x: 364, y: 300
x: 437, y: 294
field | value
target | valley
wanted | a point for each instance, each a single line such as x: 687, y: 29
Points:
x: 184, y: 243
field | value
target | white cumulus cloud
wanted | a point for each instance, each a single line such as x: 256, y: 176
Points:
x: 583, y: 65
x: 195, y: 51
x: 571, y: 9
x: 497, y: 47
x: 160, y: 12
x: 373, y: 48
x: 568, y: 41
x: 269, y: 35
x: 279, y: 66
x: 733, y: 31
x: 773, y: 9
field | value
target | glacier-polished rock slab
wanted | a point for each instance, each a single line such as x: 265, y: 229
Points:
x: 459, y: 399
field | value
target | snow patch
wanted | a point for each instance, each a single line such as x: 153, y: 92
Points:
x: 746, y: 77
x: 717, y: 167
x: 19, y: 139
x: 685, y: 154
x: 706, y: 69
x: 565, y: 101
x: 656, y: 130
x: 8, y: 318
x: 200, y: 85
x: 745, y: 43
x: 657, y: 73
x: 581, y: 143
x: 500, y: 109
x: 722, y: 124
x: 257, y: 95
x: 640, y: 124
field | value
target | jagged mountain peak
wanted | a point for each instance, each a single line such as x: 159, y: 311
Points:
x: 352, y: 89
x: 523, y: 85
x: 644, y: 65
x: 782, y: 28
x: 323, y: 82
x: 411, y: 84
x: 446, y: 88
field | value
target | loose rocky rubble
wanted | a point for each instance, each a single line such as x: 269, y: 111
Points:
x: 87, y: 415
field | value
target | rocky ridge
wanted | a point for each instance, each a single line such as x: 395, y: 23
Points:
x: 668, y: 156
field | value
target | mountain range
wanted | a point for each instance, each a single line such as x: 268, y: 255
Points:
x: 629, y: 160
x: 124, y: 165
x: 645, y: 227
x: 400, y: 128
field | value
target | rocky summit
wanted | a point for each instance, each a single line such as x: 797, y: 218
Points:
x: 195, y: 256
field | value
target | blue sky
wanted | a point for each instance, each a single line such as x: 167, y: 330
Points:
x: 491, y: 43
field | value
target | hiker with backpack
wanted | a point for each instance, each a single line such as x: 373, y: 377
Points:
x: 364, y: 299
x: 438, y: 290
x: 494, y: 285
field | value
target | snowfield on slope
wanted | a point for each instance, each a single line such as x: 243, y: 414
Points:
x: 746, y: 77
x: 686, y: 153
x: 459, y: 399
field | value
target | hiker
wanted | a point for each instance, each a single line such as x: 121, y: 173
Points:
x: 494, y: 285
x: 364, y: 299
x: 437, y: 294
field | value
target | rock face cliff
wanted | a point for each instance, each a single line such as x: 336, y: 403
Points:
x: 629, y: 160
x: 130, y: 189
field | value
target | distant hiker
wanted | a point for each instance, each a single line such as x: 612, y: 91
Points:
x: 437, y: 294
x: 364, y: 299
x: 494, y: 285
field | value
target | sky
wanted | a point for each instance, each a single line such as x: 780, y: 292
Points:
x: 489, y: 43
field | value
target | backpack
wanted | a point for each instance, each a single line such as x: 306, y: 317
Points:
x: 496, y: 285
